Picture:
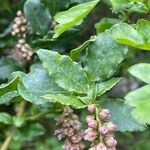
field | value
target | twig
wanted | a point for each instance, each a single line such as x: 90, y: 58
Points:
x: 8, y: 139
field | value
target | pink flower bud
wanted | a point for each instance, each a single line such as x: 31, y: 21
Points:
x: 111, y: 126
x: 101, y: 146
x: 111, y: 142
x: 89, y: 118
x: 104, y: 114
x: 91, y: 108
x: 92, y: 124
x: 19, y: 13
x: 103, y: 130
x: 90, y: 135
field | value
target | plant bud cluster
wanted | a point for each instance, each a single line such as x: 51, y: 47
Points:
x: 22, y: 50
x: 100, y: 132
x: 69, y: 129
x: 19, y: 27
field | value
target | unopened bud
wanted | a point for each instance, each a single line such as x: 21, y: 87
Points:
x: 111, y: 126
x: 111, y: 142
x: 90, y: 135
x: 103, y: 130
x: 101, y: 146
x: 92, y: 124
x: 19, y: 13
x: 91, y: 108
x: 104, y: 114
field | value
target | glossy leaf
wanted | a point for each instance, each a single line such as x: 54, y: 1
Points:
x: 71, y: 17
x: 38, y: 16
x: 75, y: 53
x: 104, y: 55
x: 140, y: 100
x: 141, y: 71
x: 37, y: 83
x: 66, y: 73
x: 121, y: 115
x: 5, y: 118
x: 68, y: 100
x: 107, y: 85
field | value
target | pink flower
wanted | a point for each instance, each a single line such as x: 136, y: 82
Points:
x: 111, y: 142
x: 90, y: 135
x: 91, y: 108
x: 111, y: 126
x: 101, y: 146
x: 104, y: 114
x: 103, y: 130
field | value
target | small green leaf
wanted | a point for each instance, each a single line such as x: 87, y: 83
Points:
x: 28, y: 132
x: 107, y: 85
x: 5, y: 118
x: 11, y: 86
x: 140, y: 100
x: 18, y: 121
x: 141, y: 71
x: 37, y: 83
x: 69, y: 100
x: 71, y: 17
x: 7, y: 97
x: 105, y: 23
x: 66, y: 73
x: 38, y: 16
x: 104, y: 55
x: 143, y: 27
x: 121, y: 115
x: 125, y: 34
x: 75, y: 53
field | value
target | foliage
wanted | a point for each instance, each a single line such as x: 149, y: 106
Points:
x: 72, y: 64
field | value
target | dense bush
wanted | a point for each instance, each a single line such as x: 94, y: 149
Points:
x: 75, y: 74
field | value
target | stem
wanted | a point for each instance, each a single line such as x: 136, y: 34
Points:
x: 99, y: 123
x: 6, y: 142
x: 8, y: 139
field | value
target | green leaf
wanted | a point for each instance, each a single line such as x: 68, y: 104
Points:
x: 36, y: 84
x: 66, y: 73
x: 141, y: 71
x: 105, y: 23
x: 75, y: 53
x: 140, y: 100
x: 129, y: 6
x: 7, y: 97
x: 104, y: 55
x: 5, y: 118
x: 107, y: 85
x: 121, y: 115
x: 143, y: 27
x: 69, y: 100
x: 71, y: 17
x: 125, y: 34
x: 11, y: 86
x: 18, y: 121
x: 28, y: 132
x: 38, y: 16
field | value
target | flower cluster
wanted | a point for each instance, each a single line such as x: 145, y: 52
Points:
x: 100, y: 132
x: 19, y: 26
x: 69, y: 129
x: 22, y: 50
